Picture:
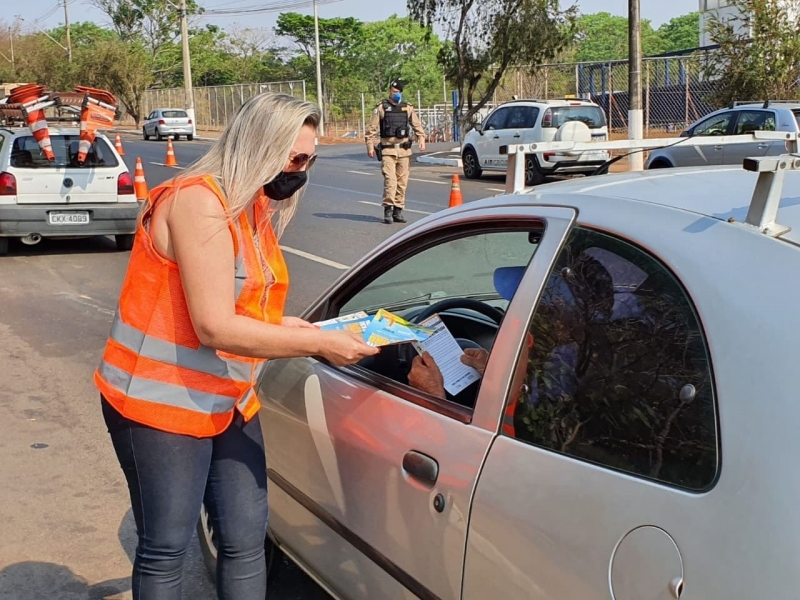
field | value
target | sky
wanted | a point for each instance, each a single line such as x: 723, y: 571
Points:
x: 32, y: 11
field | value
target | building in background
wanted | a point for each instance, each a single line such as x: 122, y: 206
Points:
x: 724, y: 10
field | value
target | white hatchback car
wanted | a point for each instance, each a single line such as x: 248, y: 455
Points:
x: 63, y: 198
x: 168, y: 122
x: 528, y: 122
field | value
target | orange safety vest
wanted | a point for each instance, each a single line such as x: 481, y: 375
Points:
x: 154, y: 370
x: 508, y: 426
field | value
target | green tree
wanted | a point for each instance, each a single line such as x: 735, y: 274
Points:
x: 681, y: 33
x: 759, y: 54
x: 603, y: 36
x: 486, y: 38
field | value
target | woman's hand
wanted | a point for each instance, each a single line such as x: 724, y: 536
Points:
x: 343, y: 348
x: 297, y: 322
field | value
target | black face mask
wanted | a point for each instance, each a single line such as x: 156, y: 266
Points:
x: 285, y: 185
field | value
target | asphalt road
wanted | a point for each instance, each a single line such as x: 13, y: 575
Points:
x: 66, y: 531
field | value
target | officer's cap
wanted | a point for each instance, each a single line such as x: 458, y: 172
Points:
x: 397, y: 84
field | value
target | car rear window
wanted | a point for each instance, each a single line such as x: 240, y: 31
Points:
x: 174, y: 114
x: 797, y: 116
x: 26, y: 153
x: 556, y: 116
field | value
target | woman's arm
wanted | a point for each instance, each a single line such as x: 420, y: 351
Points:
x: 200, y: 241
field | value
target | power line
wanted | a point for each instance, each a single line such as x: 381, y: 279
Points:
x: 264, y: 8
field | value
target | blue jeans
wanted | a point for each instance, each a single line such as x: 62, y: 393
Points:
x: 169, y: 476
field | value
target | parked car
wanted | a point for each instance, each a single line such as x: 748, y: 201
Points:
x: 528, y: 122
x: 168, y: 122
x: 741, y: 119
x: 63, y: 198
x: 633, y: 435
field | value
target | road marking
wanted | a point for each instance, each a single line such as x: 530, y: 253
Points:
x: 169, y: 167
x: 315, y: 258
x: 411, y: 210
x: 429, y: 181
x: 85, y: 301
x: 496, y: 189
x: 359, y: 172
x: 338, y: 189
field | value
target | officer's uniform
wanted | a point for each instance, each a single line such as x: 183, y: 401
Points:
x: 394, y: 122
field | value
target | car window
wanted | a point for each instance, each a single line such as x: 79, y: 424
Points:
x: 755, y: 120
x: 497, y: 120
x: 522, y: 117
x: 26, y: 153
x: 618, y: 372
x: 716, y: 125
x: 152, y: 115
x: 174, y: 114
x: 556, y: 116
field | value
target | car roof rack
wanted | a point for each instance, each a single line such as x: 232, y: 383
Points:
x: 764, y: 204
x: 763, y: 103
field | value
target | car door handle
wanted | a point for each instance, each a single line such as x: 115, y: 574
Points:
x: 497, y: 137
x: 763, y: 146
x: 421, y: 466
x: 517, y: 136
x: 718, y: 147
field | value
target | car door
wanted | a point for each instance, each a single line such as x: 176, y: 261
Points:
x: 488, y: 144
x: 371, y: 479
x: 150, y: 124
x: 698, y: 156
x: 748, y: 121
x: 608, y: 439
x: 520, y: 121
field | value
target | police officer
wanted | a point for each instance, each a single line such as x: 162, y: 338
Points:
x: 394, y: 119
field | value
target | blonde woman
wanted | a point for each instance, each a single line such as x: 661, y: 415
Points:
x: 201, y: 307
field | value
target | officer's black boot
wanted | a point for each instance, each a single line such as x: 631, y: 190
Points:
x: 387, y: 215
x: 397, y: 215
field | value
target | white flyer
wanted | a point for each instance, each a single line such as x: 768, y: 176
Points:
x: 444, y: 349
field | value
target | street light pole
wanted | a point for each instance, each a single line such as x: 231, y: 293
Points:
x: 187, y: 66
x: 635, y: 112
x: 66, y: 24
x: 319, y: 71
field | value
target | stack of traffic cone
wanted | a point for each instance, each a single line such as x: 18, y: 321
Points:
x: 455, y: 193
x: 139, y: 183
x: 118, y: 146
x: 33, y: 99
x: 171, y: 161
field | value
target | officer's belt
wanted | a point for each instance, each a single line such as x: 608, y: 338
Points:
x: 404, y: 146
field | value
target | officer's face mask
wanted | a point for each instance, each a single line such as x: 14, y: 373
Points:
x: 285, y: 185
x: 397, y: 96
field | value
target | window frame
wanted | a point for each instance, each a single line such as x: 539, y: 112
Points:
x: 755, y: 111
x: 503, y: 111
x: 733, y: 118
x: 711, y: 375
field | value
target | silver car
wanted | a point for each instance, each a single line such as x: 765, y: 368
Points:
x: 633, y: 435
x: 168, y: 122
x: 742, y: 119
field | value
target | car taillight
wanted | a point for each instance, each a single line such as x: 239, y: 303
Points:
x: 124, y: 184
x: 549, y: 155
x: 162, y: 122
x: 8, y: 184
x: 190, y: 121
x: 547, y: 119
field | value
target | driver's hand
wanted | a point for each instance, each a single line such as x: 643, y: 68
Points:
x: 426, y: 376
x: 475, y: 358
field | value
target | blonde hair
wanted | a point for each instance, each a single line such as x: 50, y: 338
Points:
x: 254, y: 149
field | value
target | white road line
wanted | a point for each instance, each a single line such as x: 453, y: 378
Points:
x: 360, y: 173
x: 315, y: 258
x: 411, y: 210
x: 163, y: 165
x: 429, y: 181
x: 85, y: 301
x: 338, y: 189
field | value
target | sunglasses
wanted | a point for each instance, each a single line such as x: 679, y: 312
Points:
x: 298, y: 161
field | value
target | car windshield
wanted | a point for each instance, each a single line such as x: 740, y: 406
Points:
x: 592, y: 116
x: 174, y: 114
x: 26, y: 153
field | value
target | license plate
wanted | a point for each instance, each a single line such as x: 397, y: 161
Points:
x: 68, y: 218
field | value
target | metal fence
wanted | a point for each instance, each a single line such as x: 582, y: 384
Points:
x: 215, y: 105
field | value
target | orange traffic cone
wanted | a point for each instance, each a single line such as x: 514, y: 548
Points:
x: 34, y: 101
x: 455, y: 193
x: 139, y: 183
x: 118, y: 146
x: 171, y: 161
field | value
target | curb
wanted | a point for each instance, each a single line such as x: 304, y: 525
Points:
x: 433, y: 159
x: 138, y: 132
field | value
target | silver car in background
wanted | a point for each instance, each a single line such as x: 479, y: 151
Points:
x: 168, y: 122
x: 741, y: 119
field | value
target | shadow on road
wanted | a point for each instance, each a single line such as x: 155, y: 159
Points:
x: 349, y: 217
x: 54, y: 246
x: 36, y: 580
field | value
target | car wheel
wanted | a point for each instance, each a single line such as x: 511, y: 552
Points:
x: 208, y: 548
x: 159, y: 137
x: 189, y: 138
x: 533, y: 174
x: 124, y: 242
x: 470, y: 165
x: 660, y: 163
x: 144, y: 134
x: 3, y: 246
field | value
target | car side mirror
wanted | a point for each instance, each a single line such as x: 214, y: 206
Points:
x: 479, y: 128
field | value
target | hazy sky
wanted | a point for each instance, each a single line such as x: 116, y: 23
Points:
x: 657, y: 11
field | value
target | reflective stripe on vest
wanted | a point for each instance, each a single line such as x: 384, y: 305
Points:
x: 155, y: 370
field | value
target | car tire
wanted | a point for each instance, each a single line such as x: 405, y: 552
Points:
x: 533, y: 173
x: 159, y: 137
x: 470, y: 164
x: 208, y: 548
x: 660, y: 163
x: 125, y: 241
x: 144, y: 134
x: 3, y: 246
x: 189, y: 138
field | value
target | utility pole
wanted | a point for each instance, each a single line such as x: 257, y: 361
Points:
x: 635, y: 112
x: 187, y: 65
x: 66, y: 24
x: 319, y: 71
x: 11, y: 39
